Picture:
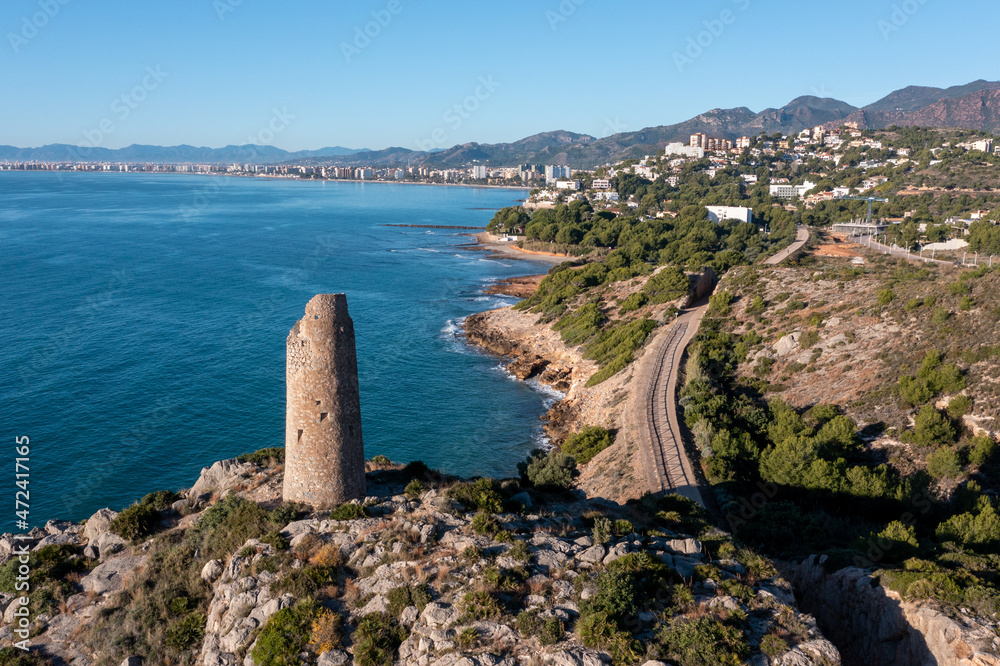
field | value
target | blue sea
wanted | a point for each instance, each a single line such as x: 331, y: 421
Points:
x: 145, y: 317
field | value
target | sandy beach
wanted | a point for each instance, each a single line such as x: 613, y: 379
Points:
x: 488, y: 242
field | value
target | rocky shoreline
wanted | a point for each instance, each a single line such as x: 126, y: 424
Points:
x: 413, y: 558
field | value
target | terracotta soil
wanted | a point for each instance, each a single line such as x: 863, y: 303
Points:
x: 838, y: 250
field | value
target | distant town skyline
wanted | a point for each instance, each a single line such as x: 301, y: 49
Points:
x: 382, y: 73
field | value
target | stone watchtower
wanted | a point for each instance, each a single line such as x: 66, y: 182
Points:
x: 324, y: 453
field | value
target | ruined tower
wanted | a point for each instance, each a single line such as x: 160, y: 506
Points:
x: 324, y: 453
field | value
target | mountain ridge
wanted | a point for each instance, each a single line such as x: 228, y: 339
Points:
x: 974, y: 105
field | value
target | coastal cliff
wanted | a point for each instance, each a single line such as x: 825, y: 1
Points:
x: 874, y: 627
x: 426, y: 570
x: 537, y: 352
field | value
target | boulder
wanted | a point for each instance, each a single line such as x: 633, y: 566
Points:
x: 593, y: 555
x: 62, y: 539
x: 98, y: 523
x: 439, y: 615
x: 212, y: 570
x: 787, y: 344
x: 221, y: 476
x: 333, y: 658
x: 809, y: 654
x: 689, y: 547
x: 62, y: 526
x: 108, y: 544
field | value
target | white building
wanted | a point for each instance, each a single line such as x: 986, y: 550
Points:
x: 477, y: 172
x: 684, y: 150
x: 782, y: 191
x: 601, y: 184
x: 720, y: 213
x: 568, y: 185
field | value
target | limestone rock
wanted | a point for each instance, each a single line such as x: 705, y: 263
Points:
x: 109, y: 543
x: 787, y: 344
x: 98, y: 523
x: 110, y: 576
x: 439, y: 615
x: 212, y: 570
x: 333, y: 658
x: 222, y: 475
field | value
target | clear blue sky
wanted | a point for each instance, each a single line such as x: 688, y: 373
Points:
x: 590, y: 66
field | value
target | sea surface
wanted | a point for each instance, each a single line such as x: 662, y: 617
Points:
x: 145, y: 316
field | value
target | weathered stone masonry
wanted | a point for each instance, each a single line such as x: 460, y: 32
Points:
x: 324, y: 452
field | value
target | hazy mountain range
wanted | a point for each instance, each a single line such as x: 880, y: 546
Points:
x: 972, y: 106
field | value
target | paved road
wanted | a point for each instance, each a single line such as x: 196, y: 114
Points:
x: 654, y: 406
x: 801, y: 238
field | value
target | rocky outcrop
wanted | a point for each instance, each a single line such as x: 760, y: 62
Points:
x: 873, y: 627
x: 222, y: 476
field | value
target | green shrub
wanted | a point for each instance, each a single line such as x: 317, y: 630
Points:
x: 602, y: 529
x: 227, y: 525
x: 932, y: 428
x: 960, y: 288
x: 377, y: 639
x: 519, y: 551
x: 481, y: 494
x: 944, y: 463
x: 480, y: 606
x: 485, y: 524
x: 578, y: 327
x: 161, y: 500
x: 633, y: 302
x: 623, y: 527
x: 136, y: 522
x: 809, y: 339
x: 549, y: 470
x: 349, y: 511
x: 913, y: 304
x: 979, y: 528
x: 186, y: 631
x: 407, y: 595
x: 941, y: 316
x: 467, y: 638
x: 773, y: 645
x: 720, y: 303
x: 305, y: 582
x: 886, y: 296
x: 587, y: 443
x: 265, y: 457
x: 959, y: 406
x: 703, y: 642
x: 598, y: 631
x: 414, y: 489
x: 756, y: 307
x: 966, y: 304
x: 982, y: 451
x: 667, y: 285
